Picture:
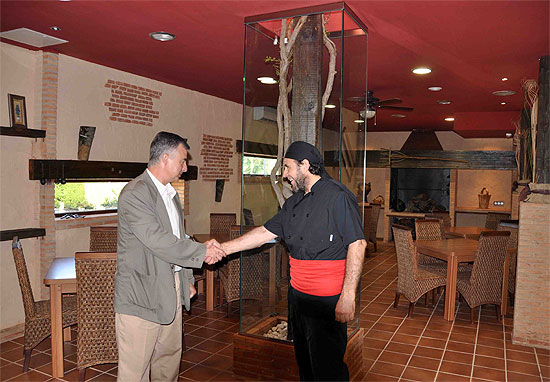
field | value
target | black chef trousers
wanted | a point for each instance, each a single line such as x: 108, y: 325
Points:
x: 319, y: 340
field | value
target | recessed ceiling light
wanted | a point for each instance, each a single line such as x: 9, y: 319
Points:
x: 504, y: 79
x: 359, y: 121
x: 398, y: 115
x: 449, y: 119
x: 444, y: 102
x: 54, y: 28
x: 329, y: 106
x: 503, y: 103
x: 162, y: 36
x: 267, y: 80
x: 504, y: 93
x: 508, y: 135
x: 421, y: 70
x: 435, y: 88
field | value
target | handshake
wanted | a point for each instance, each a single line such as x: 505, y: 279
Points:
x: 214, y: 252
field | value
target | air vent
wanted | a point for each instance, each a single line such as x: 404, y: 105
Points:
x: 33, y: 38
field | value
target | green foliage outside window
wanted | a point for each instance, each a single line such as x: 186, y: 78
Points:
x: 258, y: 165
x: 73, y: 197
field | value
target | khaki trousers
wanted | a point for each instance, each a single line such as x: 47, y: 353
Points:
x: 148, y: 349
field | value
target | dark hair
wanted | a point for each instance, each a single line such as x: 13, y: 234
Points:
x: 315, y: 168
x: 165, y: 142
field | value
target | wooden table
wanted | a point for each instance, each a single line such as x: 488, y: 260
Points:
x: 454, y: 251
x: 201, y: 238
x: 465, y: 232
x: 61, y: 278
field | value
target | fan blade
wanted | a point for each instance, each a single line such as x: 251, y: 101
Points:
x: 395, y: 107
x: 390, y: 101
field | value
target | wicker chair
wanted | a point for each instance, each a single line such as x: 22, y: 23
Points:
x: 493, y: 218
x: 96, y: 344
x: 370, y: 223
x: 230, y: 273
x: 412, y: 281
x: 441, y: 215
x: 220, y: 224
x: 505, y: 225
x: 103, y: 239
x: 248, y: 217
x: 483, y: 285
x: 37, y: 313
x: 430, y: 229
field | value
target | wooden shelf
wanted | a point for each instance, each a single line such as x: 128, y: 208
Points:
x: 83, y: 170
x: 22, y: 233
x: 22, y: 132
x: 474, y: 210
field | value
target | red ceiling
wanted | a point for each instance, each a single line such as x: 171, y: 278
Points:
x: 470, y: 46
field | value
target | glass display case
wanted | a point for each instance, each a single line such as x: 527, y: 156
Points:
x: 290, y: 58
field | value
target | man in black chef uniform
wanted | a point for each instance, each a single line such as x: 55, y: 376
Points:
x: 321, y: 226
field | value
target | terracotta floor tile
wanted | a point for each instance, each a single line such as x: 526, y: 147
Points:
x: 545, y: 371
x: 379, y: 335
x: 432, y: 343
x: 39, y: 359
x: 373, y: 377
x: 521, y: 356
x: 191, y: 340
x: 32, y: 376
x: 414, y: 331
x: 390, y: 320
x: 72, y: 376
x: 372, y: 343
x: 436, y: 334
x: 186, y: 365
x: 225, y: 376
x: 522, y: 367
x: 543, y: 359
x: 486, y: 341
x: 387, y: 369
x: 211, y: 346
x: 9, y: 346
x: 370, y: 353
x: 104, y: 378
x: 198, y: 321
x: 490, y: 374
x: 424, y: 363
x: 415, y: 374
x: 453, y: 356
x: 490, y: 334
x: 456, y: 368
x: 13, y: 355
x: 195, y: 355
x: 205, y: 332
x: 391, y: 357
x: 494, y: 363
x: 400, y: 348
x: 200, y: 373
x: 462, y: 338
x: 428, y: 352
x: 224, y: 337
x: 4, y: 362
x: 460, y: 347
x: 516, y: 377
x: 385, y: 327
x: 543, y: 351
x: 444, y: 377
x: 405, y: 339
x: 9, y: 371
x: 464, y: 330
x: 104, y: 367
x: 220, y: 325
x: 489, y: 351
x: 219, y: 362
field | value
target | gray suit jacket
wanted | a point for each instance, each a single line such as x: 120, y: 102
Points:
x: 147, y: 250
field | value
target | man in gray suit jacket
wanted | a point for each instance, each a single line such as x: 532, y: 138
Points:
x: 153, y: 277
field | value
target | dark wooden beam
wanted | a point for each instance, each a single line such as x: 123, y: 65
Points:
x: 47, y: 169
x: 542, y: 169
x: 495, y: 160
x: 22, y: 233
x: 256, y: 148
x: 22, y: 132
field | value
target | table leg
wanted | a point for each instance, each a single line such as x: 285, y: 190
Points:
x: 210, y: 289
x: 272, y: 270
x: 506, y: 271
x: 450, y: 290
x: 57, y: 330
x: 67, y: 334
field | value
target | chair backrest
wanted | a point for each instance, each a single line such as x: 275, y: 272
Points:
x: 23, y: 275
x: 442, y: 215
x: 220, y: 224
x: 487, y: 272
x: 95, y: 274
x: 493, y: 218
x: 504, y: 225
x: 374, y: 215
x: 429, y: 229
x: 406, y: 257
x: 103, y: 239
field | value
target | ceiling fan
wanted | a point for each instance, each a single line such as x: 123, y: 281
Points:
x: 374, y: 103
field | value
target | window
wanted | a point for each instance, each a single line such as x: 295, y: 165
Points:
x: 87, y: 197
x: 258, y: 165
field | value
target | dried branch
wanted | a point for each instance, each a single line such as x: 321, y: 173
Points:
x: 331, y: 69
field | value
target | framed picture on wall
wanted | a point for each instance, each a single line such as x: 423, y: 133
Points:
x: 18, y: 111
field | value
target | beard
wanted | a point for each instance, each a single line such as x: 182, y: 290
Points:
x: 299, y: 182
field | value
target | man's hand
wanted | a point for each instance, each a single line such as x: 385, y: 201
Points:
x: 345, y: 308
x: 192, y: 290
x: 214, y: 252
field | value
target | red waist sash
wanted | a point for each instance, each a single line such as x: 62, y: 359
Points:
x: 317, y: 277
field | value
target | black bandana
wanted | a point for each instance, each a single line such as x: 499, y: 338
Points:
x: 300, y: 150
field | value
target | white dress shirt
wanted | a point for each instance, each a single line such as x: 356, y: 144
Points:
x: 168, y: 192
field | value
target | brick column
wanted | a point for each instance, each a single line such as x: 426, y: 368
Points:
x: 49, y: 124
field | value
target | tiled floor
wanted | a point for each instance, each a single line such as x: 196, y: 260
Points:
x: 422, y: 348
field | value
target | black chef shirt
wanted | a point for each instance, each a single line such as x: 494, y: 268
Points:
x: 321, y: 224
